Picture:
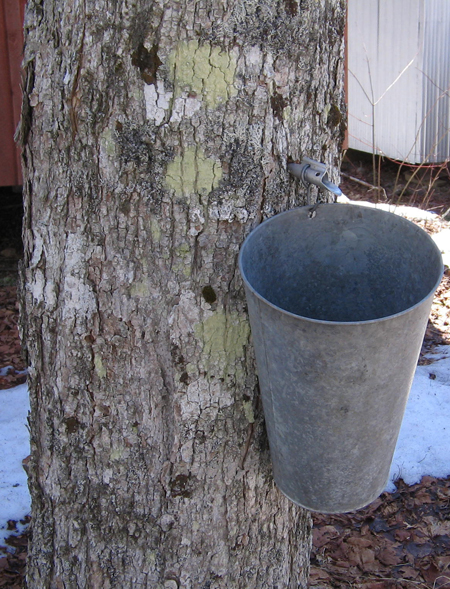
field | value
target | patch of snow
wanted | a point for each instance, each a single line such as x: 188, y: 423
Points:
x: 14, y: 447
x: 11, y: 370
x: 442, y: 240
x: 411, y: 213
x: 424, y: 440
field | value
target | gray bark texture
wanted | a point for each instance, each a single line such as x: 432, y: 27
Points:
x: 156, y: 136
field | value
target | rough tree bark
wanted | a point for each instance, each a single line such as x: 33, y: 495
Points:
x: 156, y: 136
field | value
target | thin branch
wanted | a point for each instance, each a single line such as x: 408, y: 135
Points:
x: 397, y: 79
x: 363, y: 183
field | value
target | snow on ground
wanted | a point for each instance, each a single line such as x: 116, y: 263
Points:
x: 423, y: 446
x: 14, y: 447
x: 442, y: 238
x: 411, y: 213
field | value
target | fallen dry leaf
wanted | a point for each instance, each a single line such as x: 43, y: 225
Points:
x: 389, y: 557
x: 398, y: 541
x: 323, y: 535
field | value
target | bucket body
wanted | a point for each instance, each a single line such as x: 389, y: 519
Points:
x: 338, y: 305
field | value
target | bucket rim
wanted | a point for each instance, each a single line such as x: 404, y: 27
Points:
x: 329, y: 511
x: 339, y: 323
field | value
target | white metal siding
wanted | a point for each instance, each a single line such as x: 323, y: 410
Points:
x: 398, y: 77
x: 435, y: 143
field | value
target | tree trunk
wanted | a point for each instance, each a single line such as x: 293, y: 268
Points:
x: 156, y: 136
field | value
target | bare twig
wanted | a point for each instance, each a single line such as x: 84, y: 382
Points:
x: 366, y: 184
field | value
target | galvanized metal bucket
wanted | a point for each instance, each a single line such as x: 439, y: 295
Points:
x: 338, y: 300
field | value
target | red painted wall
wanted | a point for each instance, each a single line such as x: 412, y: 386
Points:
x: 11, y: 45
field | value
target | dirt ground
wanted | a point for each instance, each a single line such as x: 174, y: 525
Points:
x: 401, y: 540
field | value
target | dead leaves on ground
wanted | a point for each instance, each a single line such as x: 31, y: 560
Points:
x: 13, y: 561
x: 438, y: 330
x: 401, y: 540
x: 10, y: 349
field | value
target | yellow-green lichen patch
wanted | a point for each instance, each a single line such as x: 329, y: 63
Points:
x: 193, y: 173
x: 155, y: 230
x: 183, y: 260
x: 248, y: 411
x: 204, y: 70
x: 223, y: 337
x: 107, y: 142
x: 116, y: 453
x: 183, y: 250
x: 98, y: 365
x: 287, y: 113
x: 140, y: 289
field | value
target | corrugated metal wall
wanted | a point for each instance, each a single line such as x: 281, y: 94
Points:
x: 398, y: 78
x: 11, y: 43
x: 435, y: 134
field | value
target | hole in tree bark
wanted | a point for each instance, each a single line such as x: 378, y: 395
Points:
x: 209, y: 294
x: 147, y: 61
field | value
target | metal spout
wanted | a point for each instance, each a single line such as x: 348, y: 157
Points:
x: 313, y: 172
